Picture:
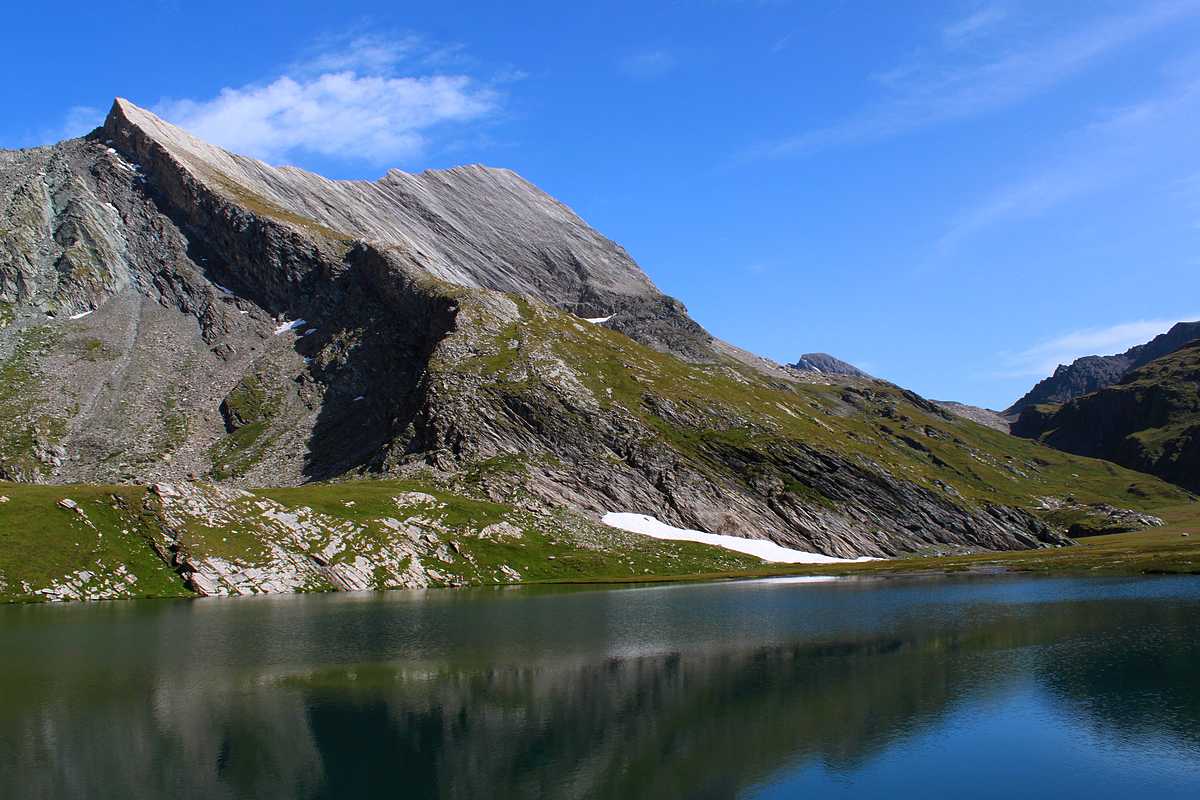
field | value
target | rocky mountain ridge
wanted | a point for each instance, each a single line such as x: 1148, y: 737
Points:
x: 1091, y: 373
x: 1148, y: 421
x: 170, y: 311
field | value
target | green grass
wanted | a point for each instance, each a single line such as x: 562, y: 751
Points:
x: 41, y: 543
x: 547, y: 549
x: 91, y: 350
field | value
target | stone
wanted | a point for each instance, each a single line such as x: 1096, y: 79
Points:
x: 68, y: 504
x: 201, y: 584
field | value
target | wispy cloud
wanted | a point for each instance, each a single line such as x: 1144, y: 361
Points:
x: 782, y: 43
x: 1156, y: 133
x: 968, y: 28
x: 347, y: 99
x: 1042, y: 358
x: 368, y: 53
x: 949, y: 88
x: 80, y: 120
x: 648, y: 63
x: 1029, y: 197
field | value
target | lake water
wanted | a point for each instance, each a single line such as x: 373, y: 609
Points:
x: 984, y: 687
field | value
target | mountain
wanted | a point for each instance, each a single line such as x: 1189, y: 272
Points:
x: 1148, y: 421
x: 1091, y: 373
x: 827, y: 365
x: 173, y: 313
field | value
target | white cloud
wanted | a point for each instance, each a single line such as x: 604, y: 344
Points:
x: 922, y: 94
x: 650, y: 63
x: 1041, y: 359
x: 345, y: 100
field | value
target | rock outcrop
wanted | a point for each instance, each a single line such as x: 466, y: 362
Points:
x: 826, y: 364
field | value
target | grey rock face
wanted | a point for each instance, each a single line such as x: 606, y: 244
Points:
x: 1091, y: 373
x: 472, y: 226
x: 827, y: 365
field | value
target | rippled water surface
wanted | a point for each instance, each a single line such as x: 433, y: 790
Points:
x: 982, y: 687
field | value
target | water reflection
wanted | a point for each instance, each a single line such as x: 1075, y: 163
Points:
x: 696, y: 691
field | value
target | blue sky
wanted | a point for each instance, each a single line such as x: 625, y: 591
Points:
x: 954, y: 195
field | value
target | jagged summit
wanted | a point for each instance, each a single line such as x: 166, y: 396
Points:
x: 472, y: 226
x: 826, y: 364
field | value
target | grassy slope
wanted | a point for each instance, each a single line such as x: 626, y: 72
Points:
x: 42, y: 544
x: 735, y: 408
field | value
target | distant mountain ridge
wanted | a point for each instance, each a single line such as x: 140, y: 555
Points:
x: 1148, y: 421
x: 1090, y: 373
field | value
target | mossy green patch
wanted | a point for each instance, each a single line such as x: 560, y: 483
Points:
x: 19, y: 382
x: 249, y: 409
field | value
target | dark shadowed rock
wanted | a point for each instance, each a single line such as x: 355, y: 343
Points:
x: 1149, y: 421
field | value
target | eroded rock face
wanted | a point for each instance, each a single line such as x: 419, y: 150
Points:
x: 279, y: 550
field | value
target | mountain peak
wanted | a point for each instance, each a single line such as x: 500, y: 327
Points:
x: 827, y: 365
x: 473, y: 226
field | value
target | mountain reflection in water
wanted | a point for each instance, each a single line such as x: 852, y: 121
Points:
x: 715, y: 690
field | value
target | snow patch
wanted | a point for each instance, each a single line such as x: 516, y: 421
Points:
x: 598, y: 320
x: 767, y: 551
x: 80, y: 315
x: 286, y: 326
x: 221, y: 288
